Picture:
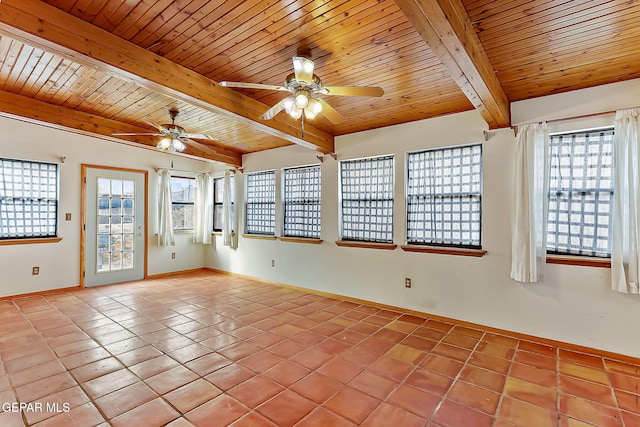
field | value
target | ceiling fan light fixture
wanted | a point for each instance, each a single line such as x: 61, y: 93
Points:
x: 164, y: 143
x: 300, y: 63
x: 307, y: 66
x: 296, y: 113
x: 315, y: 106
x: 289, y: 104
x: 171, y: 145
x: 310, y: 114
x: 178, y: 145
x: 303, y: 69
x: 302, y: 99
x: 313, y: 109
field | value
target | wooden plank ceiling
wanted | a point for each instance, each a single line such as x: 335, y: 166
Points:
x: 544, y: 47
x: 105, y: 66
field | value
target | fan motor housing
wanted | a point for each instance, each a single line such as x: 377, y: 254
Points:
x: 292, y: 84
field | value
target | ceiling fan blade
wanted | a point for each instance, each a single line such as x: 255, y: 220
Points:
x: 330, y: 113
x: 136, y: 134
x: 202, y: 147
x: 199, y: 136
x: 157, y: 126
x: 303, y: 69
x: 352, y: 91
x: 273, y: 111
x: 252, y: 86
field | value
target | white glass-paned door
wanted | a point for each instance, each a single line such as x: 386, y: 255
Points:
x: 114, y: 219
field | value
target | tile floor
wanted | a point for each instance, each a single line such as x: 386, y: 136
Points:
x: 207, y: 349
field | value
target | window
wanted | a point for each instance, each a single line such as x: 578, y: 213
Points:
x: 366, y: 191
x: 261, y: 203
x: 580, y: 193
x: 218, y: 198
x: 444, y: 192
x: 116, y: 219
x: 28, y: 199
x: 183, y: 192
x: 302, y: 194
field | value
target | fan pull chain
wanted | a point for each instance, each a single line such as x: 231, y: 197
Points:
x: 302, y: 125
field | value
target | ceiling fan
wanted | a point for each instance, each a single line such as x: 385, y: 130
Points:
x: 175, y: 137
x: 304, y: 85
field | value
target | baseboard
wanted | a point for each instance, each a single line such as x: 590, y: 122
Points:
x: 48, y: 291
x: 174, y: 273
x: 77, y: 288
x: 517, y: 335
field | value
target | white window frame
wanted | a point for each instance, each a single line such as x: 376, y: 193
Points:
x: 10, y: 193
x: 365, y: 229
x: 175, y: 203
x: 467, y: 228
x: 553, y: 225
x: 269, y: 200
x: 311, y: 225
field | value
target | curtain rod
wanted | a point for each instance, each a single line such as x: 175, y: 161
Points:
x: 234, y: 170
x: 563, y: 119
x: 487, y: 133
x: 584, y: 116
x: 175, y: 170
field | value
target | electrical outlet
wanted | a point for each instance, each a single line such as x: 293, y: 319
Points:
x: 35, y: 271
x: 67, y: 216
x: 407, y: 282
x: 173, y: 255
x: 273, y: 263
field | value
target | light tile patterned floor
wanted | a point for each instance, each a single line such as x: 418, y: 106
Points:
x: 207, y: 349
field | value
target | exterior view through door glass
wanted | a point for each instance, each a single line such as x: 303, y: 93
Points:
x: 114, y: 226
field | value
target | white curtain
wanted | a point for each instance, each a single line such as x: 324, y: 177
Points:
x: 625, y: 251
x: 529, y: 235
x: 165, y: 220
x: 227, y: 213
x: 203, y: 209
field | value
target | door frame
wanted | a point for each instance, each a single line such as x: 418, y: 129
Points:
x: 83, y: 219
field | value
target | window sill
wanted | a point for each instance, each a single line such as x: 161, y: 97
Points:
x: 30, y: 241
x: 301, y: 240
x: 259, y: 236
x: 183, y: 231
x: 444, y: 250
x: 366, y: 245
x: 580, y: 261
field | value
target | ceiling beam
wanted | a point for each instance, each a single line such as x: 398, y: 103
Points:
x: 44, y: 113
x: 447, y: 29
x: 46, y: 27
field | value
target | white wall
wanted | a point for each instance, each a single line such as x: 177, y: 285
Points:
x: 574, y: 304
x: 60, y: 262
